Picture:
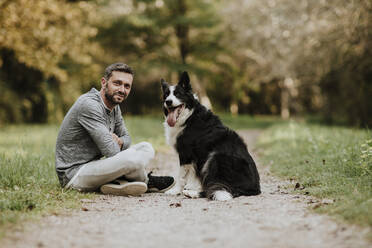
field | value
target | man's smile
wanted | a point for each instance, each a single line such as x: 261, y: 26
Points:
x: 120, y: 95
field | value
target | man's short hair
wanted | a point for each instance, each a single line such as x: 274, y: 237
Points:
x: 117, y: 67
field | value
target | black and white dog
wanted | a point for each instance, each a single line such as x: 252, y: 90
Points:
x: 214, y: 160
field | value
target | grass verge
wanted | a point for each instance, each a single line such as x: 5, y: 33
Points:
x: 329, y: 162
x: 28, y: 182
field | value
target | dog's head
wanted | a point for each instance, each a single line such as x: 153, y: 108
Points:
x: 178, y: 100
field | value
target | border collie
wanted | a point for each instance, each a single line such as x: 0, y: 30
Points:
x: 214, y: 160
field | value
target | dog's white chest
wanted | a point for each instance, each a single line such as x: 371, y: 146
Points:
x: 171, y: 133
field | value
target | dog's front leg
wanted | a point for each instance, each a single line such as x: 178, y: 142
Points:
x: 180, y: 181
x: 193, y: 186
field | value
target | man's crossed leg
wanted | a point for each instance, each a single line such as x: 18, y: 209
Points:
x: 122, y: 174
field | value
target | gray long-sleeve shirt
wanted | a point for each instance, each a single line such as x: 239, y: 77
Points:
x: 85, y: 135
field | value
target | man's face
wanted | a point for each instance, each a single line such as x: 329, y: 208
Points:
x: 118, y: 86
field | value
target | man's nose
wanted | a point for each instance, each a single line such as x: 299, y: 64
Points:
x: 122, y: 89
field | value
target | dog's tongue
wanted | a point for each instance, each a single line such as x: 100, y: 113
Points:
x: 172, y: 118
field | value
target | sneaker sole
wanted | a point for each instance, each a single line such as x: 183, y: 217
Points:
x: 132, y: 188
x: 156, y: 190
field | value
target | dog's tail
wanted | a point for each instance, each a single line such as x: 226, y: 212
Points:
x: 221, y: 195
x: 218, y: 195
x: 218, y: 192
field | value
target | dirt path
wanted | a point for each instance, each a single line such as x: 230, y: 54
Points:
x: 272, y: 219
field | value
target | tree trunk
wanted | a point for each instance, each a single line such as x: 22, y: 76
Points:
x: 285, y: 97
x: 182, y: 33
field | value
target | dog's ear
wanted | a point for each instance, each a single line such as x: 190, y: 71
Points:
x: 164, y: 85
x: 185, y: 81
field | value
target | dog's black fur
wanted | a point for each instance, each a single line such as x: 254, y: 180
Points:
x: 231, y: 167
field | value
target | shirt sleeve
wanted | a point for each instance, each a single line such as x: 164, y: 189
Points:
x: 92, y: 119
x: 121, y: 130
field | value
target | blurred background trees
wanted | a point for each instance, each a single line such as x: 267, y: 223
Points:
x: 277, y: 57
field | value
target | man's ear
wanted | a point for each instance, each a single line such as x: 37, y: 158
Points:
x: 164, y: 85
x: 103, y: 83
x: 185, y: 81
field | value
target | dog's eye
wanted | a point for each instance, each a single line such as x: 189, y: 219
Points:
x: 177, y: 93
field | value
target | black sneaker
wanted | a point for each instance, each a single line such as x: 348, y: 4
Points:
x: 159, y: 184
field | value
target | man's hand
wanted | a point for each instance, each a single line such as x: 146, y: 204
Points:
x: 117, y: 140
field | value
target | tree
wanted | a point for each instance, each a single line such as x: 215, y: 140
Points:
x: 163, y: 38
x: 303, y: 44
x: 36, y: 38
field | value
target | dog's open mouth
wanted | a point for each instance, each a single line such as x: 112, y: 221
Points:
x: 173, y: 114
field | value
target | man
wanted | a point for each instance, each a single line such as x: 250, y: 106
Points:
x: 93, y: 146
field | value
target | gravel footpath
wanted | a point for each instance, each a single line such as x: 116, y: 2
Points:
x: 272, y: 219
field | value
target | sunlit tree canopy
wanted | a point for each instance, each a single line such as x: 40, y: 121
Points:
x: 277, y: 57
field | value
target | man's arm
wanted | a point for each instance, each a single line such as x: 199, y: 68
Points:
x: 121, y: 131
x: 93, y: 121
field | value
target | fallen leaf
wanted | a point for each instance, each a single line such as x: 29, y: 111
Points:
x: 176, y: 205
x: 297, y: 185
x: 317, y: 205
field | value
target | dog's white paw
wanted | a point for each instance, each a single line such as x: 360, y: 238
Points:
x: 191, y: 193
x: 221, y: 195
x: 173, y: 191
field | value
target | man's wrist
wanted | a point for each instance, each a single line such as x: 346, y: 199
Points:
x: 120, y: 142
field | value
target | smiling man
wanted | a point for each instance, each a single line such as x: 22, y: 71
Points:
x: 93, y: 145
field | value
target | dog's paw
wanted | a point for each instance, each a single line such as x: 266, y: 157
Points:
x: 191, y: 193
x: 173, y: 191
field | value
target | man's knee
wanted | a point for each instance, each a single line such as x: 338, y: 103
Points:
x: 137, y: 156
x: 145, y: 147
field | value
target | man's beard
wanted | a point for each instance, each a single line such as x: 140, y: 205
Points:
x: 111, y: 99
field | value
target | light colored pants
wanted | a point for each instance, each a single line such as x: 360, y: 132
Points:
x: 130, y: 163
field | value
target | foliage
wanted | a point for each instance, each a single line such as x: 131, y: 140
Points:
x: 162, y: 39
x: 42, y: 32
x: 258, y: 57
x: 329, y: 162
x: 37, y: 38
x: 310, y: 48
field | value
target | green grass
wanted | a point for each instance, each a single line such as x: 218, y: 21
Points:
x: 330, y: 162
x: 147, y: 128
x: 248, y: 122
x: 28, y: 182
